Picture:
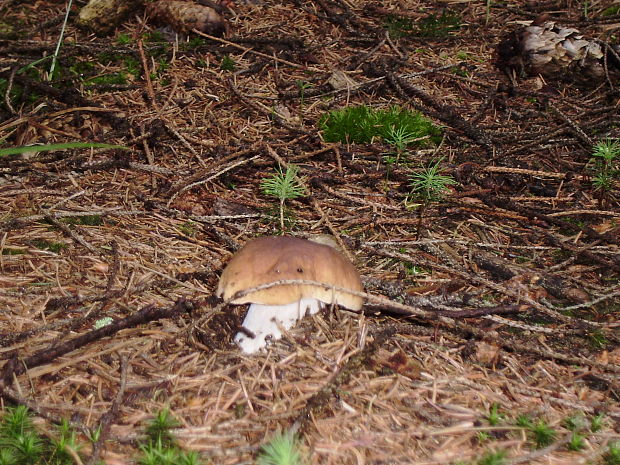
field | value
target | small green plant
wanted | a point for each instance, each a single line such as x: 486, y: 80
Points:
x: 543, y: 434
x: 12, y: 251
x: 302, y: 85
x: 362, y: 124
x: 497, y: 457
x: 597, y: 422
x: 524, y: 422
x: 94, y: 434
x: 27, y: 447
x: 154, y: 36
x: 17, y: 91
x: 110, y: 79
x: 7, y: 457
x: 188, y: 228
x: 400, y: 140
x: 429, y: 185
x: 16, y: 420
x: 66, y: 445
x: 43, y: 244
x: 82, y: 68
x: 611, y: 11
x: 482, y: 436
x: 228, y: 64
x: 7, y: 31
x: 459, y: 71
x: 239, y: 410
x: 494, y: 417
x: 133, y: 70
x: 194, y: 43
x: 284, y: 186
x: 160, y: 447
x: 21, y: 444
x: 282, y: 449
x: 413, y: 270
x: 597, y: 339
x: 612, y: 456
x: 159, y: 454
x: 84, y: 220
x: 604, y: 165
x: 158, y: 429
x: 123, y: 39
x: 577, y: 441
x: 351, y: 125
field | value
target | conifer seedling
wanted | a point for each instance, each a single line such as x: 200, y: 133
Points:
x: 429, y: 185
x: 283, y: 185
x: 604, y: 165
x: 160, y: 447
x: 577, y: 441
x: 283, y: 449
x: 543, y: 434
x: 597, y: 422
x: 612, y: 457
x: 493, y: 458
x: 400, y: 139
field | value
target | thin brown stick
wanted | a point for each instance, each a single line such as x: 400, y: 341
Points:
x: 147, y: 73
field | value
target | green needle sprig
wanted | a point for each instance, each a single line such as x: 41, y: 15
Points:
x: 284, y: 185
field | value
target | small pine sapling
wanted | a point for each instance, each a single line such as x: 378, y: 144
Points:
x: 282, y: 449
x: 284, y: 185
x: 429, y: 185
x: 400, y: 139
x: 604, y: 166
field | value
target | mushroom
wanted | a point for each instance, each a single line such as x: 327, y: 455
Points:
x: 275, y: 258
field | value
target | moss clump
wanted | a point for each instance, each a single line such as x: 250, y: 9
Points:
x: 55, y: 247
x: 398, y: 26
x: 439, y: 25
x: 85, y: 220
x: 362, y: 124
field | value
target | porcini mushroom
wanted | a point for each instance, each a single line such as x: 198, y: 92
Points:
x: 275, y: 258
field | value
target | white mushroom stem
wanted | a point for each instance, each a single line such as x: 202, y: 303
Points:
x: 263, y: 321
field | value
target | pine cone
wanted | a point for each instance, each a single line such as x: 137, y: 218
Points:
x: 185, y: 16
x: 551, y: 51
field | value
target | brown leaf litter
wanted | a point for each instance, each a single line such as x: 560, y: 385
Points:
x: 505, y: 292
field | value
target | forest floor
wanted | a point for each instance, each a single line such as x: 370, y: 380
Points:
x: 496, y: 302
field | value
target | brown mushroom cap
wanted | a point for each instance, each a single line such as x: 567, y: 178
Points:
x: 275, y: 258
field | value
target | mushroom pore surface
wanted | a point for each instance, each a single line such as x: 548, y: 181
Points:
x: 274, y: 258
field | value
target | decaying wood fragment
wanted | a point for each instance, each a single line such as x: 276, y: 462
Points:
x: 183, y: 17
